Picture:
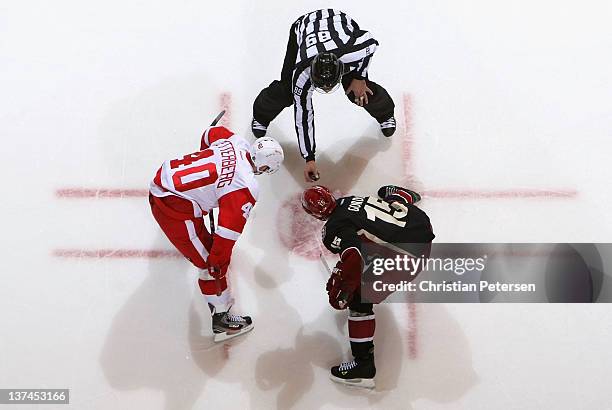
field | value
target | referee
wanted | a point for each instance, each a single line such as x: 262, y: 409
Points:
x: 326, y: 48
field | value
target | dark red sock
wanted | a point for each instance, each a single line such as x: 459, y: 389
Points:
x: 361, y: 328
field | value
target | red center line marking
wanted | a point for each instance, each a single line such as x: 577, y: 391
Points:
x: 101, y: 193
x: 407, y: 157
x: 117, y: 253
x: 112, y: 193
x: 502, y: 194
x: 412, y: 330
x: 408, y: 140
x: 225, y: 103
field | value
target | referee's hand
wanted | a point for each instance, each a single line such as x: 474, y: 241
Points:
x: 311, y: 173
x: 360, y: 90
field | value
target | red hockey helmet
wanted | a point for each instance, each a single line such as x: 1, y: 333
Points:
x: 318, y: 201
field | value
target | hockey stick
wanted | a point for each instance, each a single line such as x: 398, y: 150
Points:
x: 211, y: 220
x: 325, y: 264
x: 217, y: 118
x: 211, y: 214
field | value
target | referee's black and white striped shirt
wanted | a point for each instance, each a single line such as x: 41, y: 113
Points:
x: 319, y: 31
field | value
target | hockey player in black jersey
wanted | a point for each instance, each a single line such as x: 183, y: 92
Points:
x: 390, y: 218
x: 326, y: 48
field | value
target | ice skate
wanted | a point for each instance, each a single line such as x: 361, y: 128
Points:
x: 356, y: 373
x: 227, y: 325
x: 388, y: 127
x: 259, y: 130
x: 392, y: 193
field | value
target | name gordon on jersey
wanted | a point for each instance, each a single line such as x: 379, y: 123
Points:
x: 228, y: 163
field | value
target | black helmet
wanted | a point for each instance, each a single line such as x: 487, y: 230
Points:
x: 326, y: 72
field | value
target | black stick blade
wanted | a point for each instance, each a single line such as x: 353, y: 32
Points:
x: 217, y: 118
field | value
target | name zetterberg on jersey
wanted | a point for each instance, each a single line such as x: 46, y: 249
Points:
x: 228, y: 163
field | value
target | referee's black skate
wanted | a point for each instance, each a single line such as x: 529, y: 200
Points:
x: 259, y: 130
x: 388, y: 127
x: 357, y: 373
x: 226, y: 325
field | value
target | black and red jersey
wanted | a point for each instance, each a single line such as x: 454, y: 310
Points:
x: 356, y: 219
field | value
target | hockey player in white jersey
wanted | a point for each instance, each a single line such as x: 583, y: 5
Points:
x: 220, y: 175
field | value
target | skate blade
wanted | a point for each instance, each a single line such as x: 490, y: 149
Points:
x: 220, y: 337
x: 357, y: 383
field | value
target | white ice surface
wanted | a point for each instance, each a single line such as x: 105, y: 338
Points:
x: 505, y: 95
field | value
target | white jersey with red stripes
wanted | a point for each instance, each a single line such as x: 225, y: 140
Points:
x: 220, y: 175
